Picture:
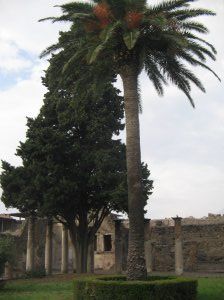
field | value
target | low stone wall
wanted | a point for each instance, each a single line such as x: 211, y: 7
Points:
x: 203, y: 245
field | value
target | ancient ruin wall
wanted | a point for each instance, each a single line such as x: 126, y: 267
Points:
x: 203, y: 247
x: 203, y: 244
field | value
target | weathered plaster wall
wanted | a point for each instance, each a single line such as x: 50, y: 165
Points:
x: 19, y: 236
x: 203, y: 248
x: 105, y: 260
x: 203, y: 244
x: 57, y: 246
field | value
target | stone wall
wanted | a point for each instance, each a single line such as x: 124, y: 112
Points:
x: 19, y: 236
x: 203, y: 244
x: 105, y: 260
x: 204, y: 247
x: 162, y: 248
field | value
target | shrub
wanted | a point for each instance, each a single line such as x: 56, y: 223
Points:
x: 117, y: 288
x: 7, y: 251
x: 37, y: 273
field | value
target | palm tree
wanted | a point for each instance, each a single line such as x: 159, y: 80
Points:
x: 134, y: 37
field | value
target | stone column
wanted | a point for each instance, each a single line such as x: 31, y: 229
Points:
x: 178, y: 246
x: 64, y: 250
x: 30, y: 245
x: 148, y: 246
x: 48, y: 247
x: 74, y: 260
x: 90, y: 259
x: 100, y: 243
x: 8, y: 271
x: 118, y: 247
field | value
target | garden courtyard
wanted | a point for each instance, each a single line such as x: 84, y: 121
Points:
x: 60, y: 287
x: 76, y: 169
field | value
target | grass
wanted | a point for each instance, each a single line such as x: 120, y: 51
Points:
x: 52, y: 288
x: 60, y: 288
x: 211, y: 289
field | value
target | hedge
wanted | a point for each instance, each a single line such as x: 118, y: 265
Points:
x: 117, y: 288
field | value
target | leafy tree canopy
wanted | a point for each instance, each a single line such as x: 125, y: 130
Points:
x: 73, y: 168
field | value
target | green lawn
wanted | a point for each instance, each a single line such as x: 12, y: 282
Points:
x: 60, y: 288
x: 55, y: 288
x: 211, y: 289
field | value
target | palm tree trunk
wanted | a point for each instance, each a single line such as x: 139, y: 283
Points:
x: 136, y: 267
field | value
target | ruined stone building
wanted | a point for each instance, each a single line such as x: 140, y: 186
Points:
x: 8, y: 223
x: 193, y: 245
x: 202, y: 243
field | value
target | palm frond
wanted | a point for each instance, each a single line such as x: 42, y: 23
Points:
x: 194, y: 26
x: 190, y: 76
x: 130, y: 38
x: 176, y: 73
x: 154, y: 74
x: 166, y: 6
x: 199, y: 50
x: 50, y: 49
x: 207, y: 68
x: 56, y: 19
x: 76, y: 7
x: 191, y: 13
x: 81, y: 16
x: 117, y: 7
x: 192, y: 36
x: 96, y: 52
x: 137, y: 5
x: 184, y: 89
x: 194, y: 62
x: 182, y: 83
x: 47, y: 19
x: 175, y: 39
x: 155, y: 20
x: 71, y: 12
x: 108, y: 34
x: 78, y: 55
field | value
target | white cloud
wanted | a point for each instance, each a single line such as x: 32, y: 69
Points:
x: 184, y: 147
x: 19, y: 22
x: 18, y: 102
x: 22, y: 100
x: 186, y: 189
x: 11, y: 59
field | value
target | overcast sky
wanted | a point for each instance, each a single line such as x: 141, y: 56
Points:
x: 183, y: 147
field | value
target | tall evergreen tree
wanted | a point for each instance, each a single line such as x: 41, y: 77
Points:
x: 73, y: 169
x: 134, y: 36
